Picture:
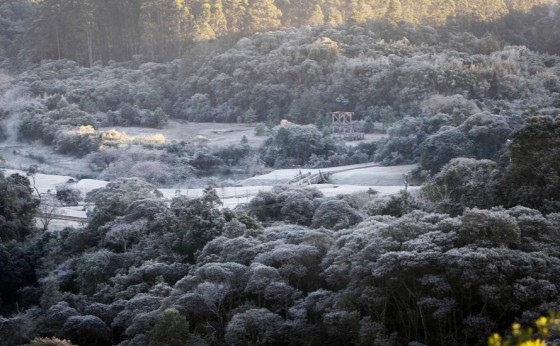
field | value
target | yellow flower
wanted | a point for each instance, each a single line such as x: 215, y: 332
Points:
x: 541, y: 322
x: 516, y: 328
x: 537, y: 342
x: 495, y: 340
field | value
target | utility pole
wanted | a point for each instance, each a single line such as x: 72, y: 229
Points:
x: 405, y: 182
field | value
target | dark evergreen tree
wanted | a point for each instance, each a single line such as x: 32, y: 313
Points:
x: 18, y: 207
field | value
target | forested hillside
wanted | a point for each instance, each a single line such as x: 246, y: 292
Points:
x: 467, y: 90
x: 414, y: 79
x: 89, y: 31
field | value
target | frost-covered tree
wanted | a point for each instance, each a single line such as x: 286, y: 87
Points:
x: 488, y: 132
x: 197, y: 221
x: 294, y: 205
x: 336, y: 214
x: 139, y: 304
x: 112, y: 200
x: 293, y: 145
x: 464, y: 183
x: 296, y: 208
x: 255, y: 326
x: 86, y: 330
x: 93, y: 269
x: 259, y: 277
x: 421, y: 268
x: 440, y: 148
x: 532, y: 174
x: 17, y: 207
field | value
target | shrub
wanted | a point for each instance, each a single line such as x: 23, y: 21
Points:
x: 260, y: 129
x: 337, y: 214
x: 80, y: 141
x: 68, y: 195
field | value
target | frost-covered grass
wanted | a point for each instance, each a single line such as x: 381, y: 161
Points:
x: 210, y: 134
x: 361, y: 174
x: 231, y: 196
x: 22, y: 155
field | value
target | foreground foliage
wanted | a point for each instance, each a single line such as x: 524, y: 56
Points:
x: 17, y: 207
x: 155, y: 274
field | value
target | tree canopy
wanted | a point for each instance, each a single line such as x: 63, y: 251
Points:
x: 89, y: 31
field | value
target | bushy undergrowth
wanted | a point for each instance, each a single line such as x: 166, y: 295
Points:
x: 144, y: 267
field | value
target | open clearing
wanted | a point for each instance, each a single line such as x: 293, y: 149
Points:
x: 213, y: 134
x: 22, y: 155
x: 60, y: 169
x: 362, y: 174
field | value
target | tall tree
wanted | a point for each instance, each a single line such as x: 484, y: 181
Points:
x: 84, y: 31
x: 234, y: 11
x: 532, y: 177
x: 59, y: 30
x: 17, y: 207
x: 295, y: 12
x: 394, y: 10
x: 334, y: 16
x: 316, y: 17
x: 164, y: 27
x: 358, y: 11
x: 202, y: 28
x: 218, y: 20
x: 262, y: 15
x: 119, y: 28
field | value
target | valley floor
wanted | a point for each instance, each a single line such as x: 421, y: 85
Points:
x: 344, y: 180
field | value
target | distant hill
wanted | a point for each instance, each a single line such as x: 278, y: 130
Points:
x: 161, y: 30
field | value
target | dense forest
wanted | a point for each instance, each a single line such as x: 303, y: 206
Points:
x: 160, y: 30
x: 467, y: 90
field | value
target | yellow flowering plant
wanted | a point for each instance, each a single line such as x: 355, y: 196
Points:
x: 542, y: 335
